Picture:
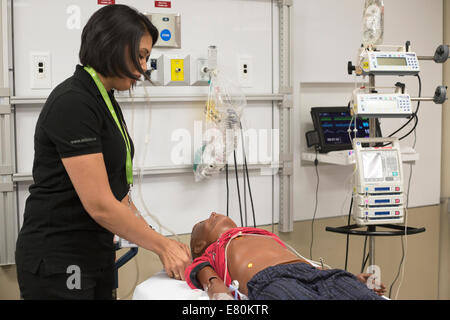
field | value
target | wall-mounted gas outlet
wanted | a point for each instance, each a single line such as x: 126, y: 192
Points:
x: 245, y: 71
x: 199, y: 75
x: 177, y: 70
x: 41, y: 73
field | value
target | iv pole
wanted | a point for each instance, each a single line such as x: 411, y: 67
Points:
x: 372, y: 134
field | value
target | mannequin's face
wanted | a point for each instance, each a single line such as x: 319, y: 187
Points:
x: 207, y: 231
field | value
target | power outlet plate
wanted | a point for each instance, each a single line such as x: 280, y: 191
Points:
x: 156, y: 64
x: 245, y: 72
x: 40, y: 67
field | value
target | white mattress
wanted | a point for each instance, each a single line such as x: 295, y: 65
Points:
x: 161, y: 287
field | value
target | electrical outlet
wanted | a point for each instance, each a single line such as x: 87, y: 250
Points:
x: 245, y: 71
x: 156, y: 65
x: 40, y: 66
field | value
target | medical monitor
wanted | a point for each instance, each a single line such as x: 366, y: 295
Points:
x: 332, y: 124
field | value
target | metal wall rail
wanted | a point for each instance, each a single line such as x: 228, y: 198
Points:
x: 286, y: 220
x: 170, y: 170
x: 156, y: 98
x: 8, y: 218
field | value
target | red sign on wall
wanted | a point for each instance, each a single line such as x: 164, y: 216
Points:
x: 106, y: 1
x: 163, y: 4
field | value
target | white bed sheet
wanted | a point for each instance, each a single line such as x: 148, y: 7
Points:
x: 161, y: 287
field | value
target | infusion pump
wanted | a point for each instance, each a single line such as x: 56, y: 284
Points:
x: 388, y: 63
x: 381, y: 105
x: 378, y: 182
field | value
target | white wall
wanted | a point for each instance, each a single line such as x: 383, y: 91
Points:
x: 327, y: 34
x: 235, y: 27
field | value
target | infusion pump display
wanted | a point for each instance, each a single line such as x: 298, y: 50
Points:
x: 379, y: 169
x: 382, y: 105
x: 389, y: 63
x: 395, y: 61
x: 380, y: 166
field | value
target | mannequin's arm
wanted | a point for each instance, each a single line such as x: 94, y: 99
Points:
x: 212, y: 283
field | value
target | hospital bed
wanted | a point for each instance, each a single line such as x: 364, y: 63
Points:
x: 161, y: 287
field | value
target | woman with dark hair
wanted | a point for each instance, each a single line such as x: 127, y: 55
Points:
x: 83, y: 171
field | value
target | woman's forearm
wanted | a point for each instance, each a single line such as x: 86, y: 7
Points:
x: 119, y: 218
x: 133, y: 208
x: 90, y: 180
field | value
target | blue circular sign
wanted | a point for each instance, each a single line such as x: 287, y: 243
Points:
x: 166, y: 35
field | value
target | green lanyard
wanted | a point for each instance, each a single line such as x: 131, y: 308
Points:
x: 101, y: 88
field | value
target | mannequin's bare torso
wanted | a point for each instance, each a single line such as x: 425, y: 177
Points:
x: 246, y: 255
x: 249, y: 254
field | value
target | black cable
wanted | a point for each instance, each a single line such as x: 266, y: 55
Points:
x: 244, y: 172
x: 399, y: 268
x: 403, y: 247
x: 316, y: 162
x: 348, y: 235
x: 413, y: 129
x: 238, y: 188
x: 406, y: 135
x: 407, y: 206
x: 414, y: 115
x: 228, y: 189
x: 364, y: 258
x: 237, y: 184
x: 248, y: 179
x: 365, y: 261
x: 250, y: 192
x: 245, y: 195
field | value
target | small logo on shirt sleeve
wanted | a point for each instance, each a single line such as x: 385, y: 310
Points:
x: 85, y: 140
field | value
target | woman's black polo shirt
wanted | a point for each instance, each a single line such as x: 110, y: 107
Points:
x: 57, y: 229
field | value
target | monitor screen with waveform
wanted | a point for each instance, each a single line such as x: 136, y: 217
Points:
x: 332, y: 124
